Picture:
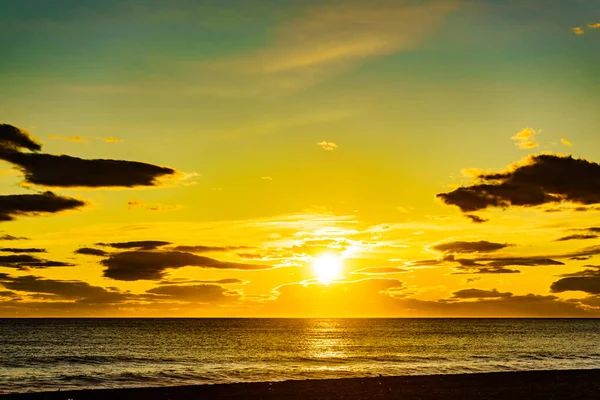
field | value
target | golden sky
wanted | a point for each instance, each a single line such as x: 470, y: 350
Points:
x: 433, y: 158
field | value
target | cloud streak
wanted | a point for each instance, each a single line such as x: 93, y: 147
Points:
x: 20, y: 205
x: 152, y: 265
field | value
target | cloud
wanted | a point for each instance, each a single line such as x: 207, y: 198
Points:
x: 158, y: 207
x: 526, y: 138
x: 479, y: 294
x: 530, y: 305
x: 381, y: 270
x: 482, y: 246
x: 208, y: 249
x: 580, y: 236
x: 475, y: 219
x: 226, y: 281
x: 595, y: 25
x: 490, y: 265
x: 338, y: 298
x: 266, y: 178
x: 329, y: 146
x: 592, y: 270
x: 566, y: 142
x: 152, y: 265
x: 587, y: 284
x: 486, y: 270
x: 62, y: 290
x: 26, y: 261
x: 14, y: 139
x: 11, y: 237
x: 109, y: 139
x: 75, y: 139
x: 522, y: 261
x: 140, y: 244
x: 22, y: 250
x: 19, y: 205
x: 91, y: 252
x: 195, y: 293
x: 578, y: 30
x: 326, y: 35
x: 537, y: 180
x: 67, y: 171
x: 80, y: 139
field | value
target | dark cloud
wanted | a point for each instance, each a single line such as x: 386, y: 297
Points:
x: 592, y: 270
x: 425, y: 263
x: 584, y: 234
x: 208, y: 249
x: 250, y: 256
x: 498, y: 265
x: 18, y: 205
x: 579, y: 236
x: 587, y: 284
x: 195, y: 293
x: 585, y: 252
x: 11, y: 237
x: 487, y: 270
x: 152, y: 265
x: 579, y: 258
x: 226, y: 281
x: 476, y: 219
x: 13, y: 138
x: 26, y: 261
x: 479, y: 294
x: 541, y: 179
x: 63, y: 290
x: 139, y: 245
x: 529, y: 305
x: 88, y: 251
x: 25, y: 250
x: 67, y: 171
x: 522, y: 261
x: 469, y: 247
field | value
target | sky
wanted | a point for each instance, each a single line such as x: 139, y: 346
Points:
x: 288, y: 158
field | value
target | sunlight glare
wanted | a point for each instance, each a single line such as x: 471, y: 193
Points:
x: 327, y: 267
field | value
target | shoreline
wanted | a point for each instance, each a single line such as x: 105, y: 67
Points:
x: 561, y: 384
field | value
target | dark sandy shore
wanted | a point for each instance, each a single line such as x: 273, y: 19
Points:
x: 544, y: 385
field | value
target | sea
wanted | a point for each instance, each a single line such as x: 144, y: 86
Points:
x: 66, y: 354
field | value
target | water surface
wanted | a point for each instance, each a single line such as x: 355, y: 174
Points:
x: 48, y: 354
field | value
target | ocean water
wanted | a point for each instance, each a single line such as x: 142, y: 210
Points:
x: 51, y: 354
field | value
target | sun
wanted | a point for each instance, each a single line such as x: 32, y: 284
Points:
x: 327, y: 267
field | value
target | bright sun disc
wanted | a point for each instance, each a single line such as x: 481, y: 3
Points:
x: 327, y: 267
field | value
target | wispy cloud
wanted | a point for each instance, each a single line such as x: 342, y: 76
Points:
x: 324, y: 39
x: 578, y: 30
x: 135, y: 204
x: 329, y: 146
x: 76, y: 139
x: 526, y: 138
x: 566, y: 142
x: 81, y: 139
x: 327, y: 34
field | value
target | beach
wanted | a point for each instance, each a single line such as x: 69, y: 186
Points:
x: 574, y: 384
